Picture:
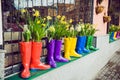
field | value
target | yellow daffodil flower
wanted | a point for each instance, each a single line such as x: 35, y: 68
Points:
x: 43, y: 25
x: 51, y: 29
x: 38, y: 22
x: 63, y: 18
x: 23, y: 10
x: 70, y: 21
x: 58, y: 17
x: 44, y: 19
x: 49, y: 18
x: 67, y: 26
x: 63, y: 22
x: 37, y: 14
x: 72, y: 28
x: 82, y: 25
x: 78, y: 28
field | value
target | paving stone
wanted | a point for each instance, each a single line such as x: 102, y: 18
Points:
x: 111, y: 71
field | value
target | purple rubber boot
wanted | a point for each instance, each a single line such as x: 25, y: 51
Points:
x: 118, y: 35
x: 50, y: 55
x: 57, y: 52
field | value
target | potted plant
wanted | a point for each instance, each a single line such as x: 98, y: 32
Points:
x: 99, y: 9
x: 118, y: 32
x: 32, y: 46
x: 54, y: 43
x: 60, y: 28
x: 25, y: 49
x: 70, y: 41
x: 38, y: 27
x: 90, y: 36
x: 106, y: 18
x: 113, y: 29
x: 81, y: 39
x: 51, y: 46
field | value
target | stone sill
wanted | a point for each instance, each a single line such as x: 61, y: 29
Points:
x: 36, y: 74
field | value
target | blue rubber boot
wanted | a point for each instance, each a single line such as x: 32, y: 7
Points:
x: 83, y: 41
x: 111, y: 36
x: 78, y: 45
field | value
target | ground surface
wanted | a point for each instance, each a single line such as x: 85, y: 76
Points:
x: 111, y: 71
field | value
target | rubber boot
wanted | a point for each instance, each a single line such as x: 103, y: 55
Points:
x: 111, y: 36
x: 117, y: 36
x: 67, y: 45
x: 25, y: 49
x: 83, y: 41
x: 78, y: 45
x: 115, y: 33
x: 91, y: 47
x: 72, y: 48
x: 36, y: 64
x: 50, y: 55
x: 57, y: 52
x: 88, y: 42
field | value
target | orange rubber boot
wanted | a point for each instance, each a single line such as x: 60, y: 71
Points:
x: 35, y: 57
x: 25, y: 49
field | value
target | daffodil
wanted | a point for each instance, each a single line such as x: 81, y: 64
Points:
x: 38, y: 22
x: 23, y: 10
x: 51, y: 29
x: 43, y: 25
x: 70, y: 21
x: 36, y: 14
x: 63, y: 22
x: 58, y: 17
x: 72, y: 28
x: 82, y: 26
x: 78, y: 28
x: 63, y: 18
x: 44, y: 19
x: 67, y: 26
x: 49, y: 18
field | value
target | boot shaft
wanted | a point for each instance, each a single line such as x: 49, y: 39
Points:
x: 118, y: 35
x: 51, y: 46
x: 58, y: 45
x: 50, y: 49
x: 67, y: 43
x: 25, y: 49
x: 73, y: 42
x: 111, y: 35
x: 88, y: 40
x: 91, y: 40
x: 79, y: 42
x: 36, y: 51
x: 115, y: 33
x: 83, y: 41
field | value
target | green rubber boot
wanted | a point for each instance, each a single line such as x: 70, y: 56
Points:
x: 91, y: 47
x: 88, y: 42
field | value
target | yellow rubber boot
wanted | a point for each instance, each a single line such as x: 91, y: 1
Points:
x: 67, y: 48
x: 115, y: 33
x: 72, y: 48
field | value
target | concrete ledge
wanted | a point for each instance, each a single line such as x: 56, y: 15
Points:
x: 87, y: 67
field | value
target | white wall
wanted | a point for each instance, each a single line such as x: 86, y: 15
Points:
x: 0, y: 24
x: 87, y: 67
x: 98, y: 18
